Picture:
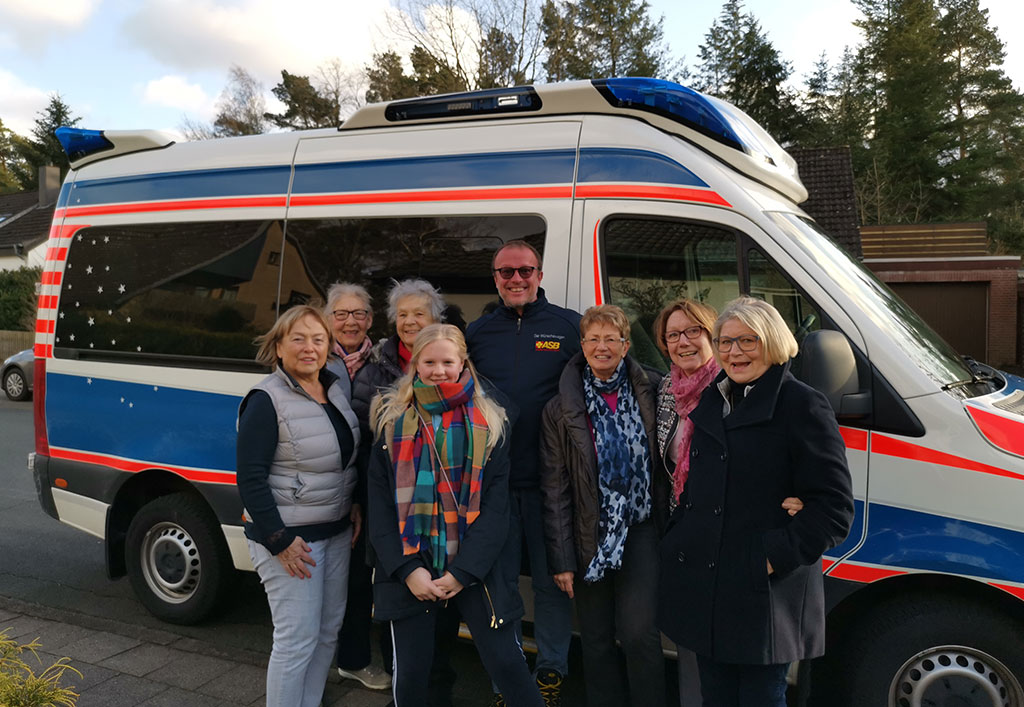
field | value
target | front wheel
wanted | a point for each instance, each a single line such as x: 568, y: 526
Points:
x: 177, y: 561
x: 935, y: 651
x: 15, y: 385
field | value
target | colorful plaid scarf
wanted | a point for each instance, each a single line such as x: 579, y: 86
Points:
x: 422, y: 492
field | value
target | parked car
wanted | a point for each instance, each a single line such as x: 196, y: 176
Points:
x: 17, y: 375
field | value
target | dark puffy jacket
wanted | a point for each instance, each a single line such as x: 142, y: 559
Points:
x: 715, y: 594
x: 523, y: 355
x: 476, y: 561
x: 569, y: 467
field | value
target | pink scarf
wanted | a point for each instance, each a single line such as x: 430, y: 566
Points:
x: 687, y: 391
x: 355, y: 360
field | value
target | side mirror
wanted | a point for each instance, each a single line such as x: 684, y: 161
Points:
x: 828, y: 365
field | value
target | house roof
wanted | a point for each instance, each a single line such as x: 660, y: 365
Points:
x: 827, y: 172
x: 926, y: 240
x: 22, y: 221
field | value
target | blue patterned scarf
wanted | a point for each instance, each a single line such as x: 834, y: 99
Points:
x: 623, y: 466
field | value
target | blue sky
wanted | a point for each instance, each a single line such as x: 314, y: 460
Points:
x: 123, y: 64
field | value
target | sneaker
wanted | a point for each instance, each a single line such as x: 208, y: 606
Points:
x: 498, y: 700
x: 550, y: 684
x: 371, y: 676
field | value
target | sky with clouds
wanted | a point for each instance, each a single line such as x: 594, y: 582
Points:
x: 123, y: 64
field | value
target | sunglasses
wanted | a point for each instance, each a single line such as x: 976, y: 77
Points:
x: 525, y: 272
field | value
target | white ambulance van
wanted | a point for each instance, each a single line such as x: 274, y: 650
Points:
x: 165, y: 260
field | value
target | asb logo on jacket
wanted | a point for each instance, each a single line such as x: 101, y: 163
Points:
x: 547, y: 345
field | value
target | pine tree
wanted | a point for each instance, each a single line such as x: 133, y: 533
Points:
x: 9, y: 157
x: 305, y: 106
x: 387, y: 79
x: 43, y: 148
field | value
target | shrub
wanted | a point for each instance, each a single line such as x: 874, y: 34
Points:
x: 20, y: 686
x: 18, y: 298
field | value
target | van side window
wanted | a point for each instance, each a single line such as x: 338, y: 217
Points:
x: 452, y: 253
x: 767, y: 282
x: 649, y: 262
x: 154, y: 291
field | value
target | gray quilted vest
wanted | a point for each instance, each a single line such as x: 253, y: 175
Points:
x: 310, y: 481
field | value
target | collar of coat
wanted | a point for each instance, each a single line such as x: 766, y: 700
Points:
x: 528, y: 309
x: 574, y: 408
x: 758, y: 405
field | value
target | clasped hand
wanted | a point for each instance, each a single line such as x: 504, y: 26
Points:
x: 425, y: 588
x: 295, y: 557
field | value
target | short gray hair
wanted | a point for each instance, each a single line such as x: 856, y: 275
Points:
x: 342, y: 289
x: 416, y: 288
x: 765, y: 321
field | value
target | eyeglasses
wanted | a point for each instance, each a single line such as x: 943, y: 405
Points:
x: 525, y: 272
x: 747, y: 342
x: 358, y: 314
x: 609, y: 341
x: 691, y: 333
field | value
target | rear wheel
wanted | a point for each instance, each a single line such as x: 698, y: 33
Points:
x: 15, y: 385
x: 177, y: 561
x: 934, y: 651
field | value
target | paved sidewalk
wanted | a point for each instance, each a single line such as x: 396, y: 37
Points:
x: 124, y: 665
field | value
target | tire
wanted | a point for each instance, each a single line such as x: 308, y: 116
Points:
x: 933, y: 651
x: 15, y: 385
x: 177, y: 560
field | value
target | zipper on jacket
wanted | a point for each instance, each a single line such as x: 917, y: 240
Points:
x: 494, y: 614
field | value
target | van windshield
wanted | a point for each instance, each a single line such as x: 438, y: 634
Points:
x: 903, y: 326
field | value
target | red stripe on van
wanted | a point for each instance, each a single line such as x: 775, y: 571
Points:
x: 43, y: 351
x: 183, y: 205
x: 1001, y: 431
x: 50, y: 278
x: 47, y: 301
x: 56, y: 253
x: 439, y: 195
x: 826, y: 563
x: 862, y: 573
x: 883, y: 444
x: 1011, y: 589
x: 44, y: 326
x: 608, y: 191
x: 597, y: 268
x: 134, y: 466
x: 58, y: 214
x: 854, y: 438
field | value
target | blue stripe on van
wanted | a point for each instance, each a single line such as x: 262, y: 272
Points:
x: 167, y: 425
x: 244, y: 181
x: 437, y: 172
x: 610, y: 164
x: 914, y: 540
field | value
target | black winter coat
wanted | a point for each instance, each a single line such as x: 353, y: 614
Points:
x: 476, y: 561
x: 569, y: 477
x: 715, y: 594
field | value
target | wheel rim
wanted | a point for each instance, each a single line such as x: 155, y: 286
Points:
x: 955, y: 676
x: 171, y: 562
x: 15, y: 385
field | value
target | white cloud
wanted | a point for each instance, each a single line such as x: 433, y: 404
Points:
x: 20, y: 103
x: 261, y: 36
x: 32, y: 25
x: 177, y: 92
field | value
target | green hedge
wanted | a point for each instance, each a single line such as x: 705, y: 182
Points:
x: 18, y: 298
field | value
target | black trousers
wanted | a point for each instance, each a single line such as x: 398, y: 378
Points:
x: 354, y: 636
x: 502, y: 655
x: 623, y: 605
x: 731, y: 685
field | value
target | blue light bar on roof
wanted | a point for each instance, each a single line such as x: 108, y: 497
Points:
x: 78, y: 143
x: 672, y: 101
x: 452, y: 105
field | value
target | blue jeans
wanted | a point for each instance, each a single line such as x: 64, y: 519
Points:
x: 307, y: 615
x: 730, y: 685
x: 552, y: 608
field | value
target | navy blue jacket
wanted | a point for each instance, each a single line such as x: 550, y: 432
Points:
x: 524, y: 357
x: 715, y: 595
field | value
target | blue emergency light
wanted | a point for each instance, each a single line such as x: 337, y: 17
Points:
x: 79, y: 143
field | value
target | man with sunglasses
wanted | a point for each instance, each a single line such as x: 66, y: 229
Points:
x: 522, y: 347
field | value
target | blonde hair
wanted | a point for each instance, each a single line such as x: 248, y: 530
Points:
x: 267, y: 343
x: 764, y: 320
x: 389, y: 405
x: 605, y: 314
x: 699, y: 313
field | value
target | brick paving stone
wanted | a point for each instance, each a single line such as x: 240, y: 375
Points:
x: 190, y: 671
x: 176, y: 697
x: 142, y: 660
x: 54, y: 636
x: 120, y: 691
x: 244, y: 683
x: 365, y: 698
x: 21, y: 627
x: 6, y: 615
x: 98, y: 646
